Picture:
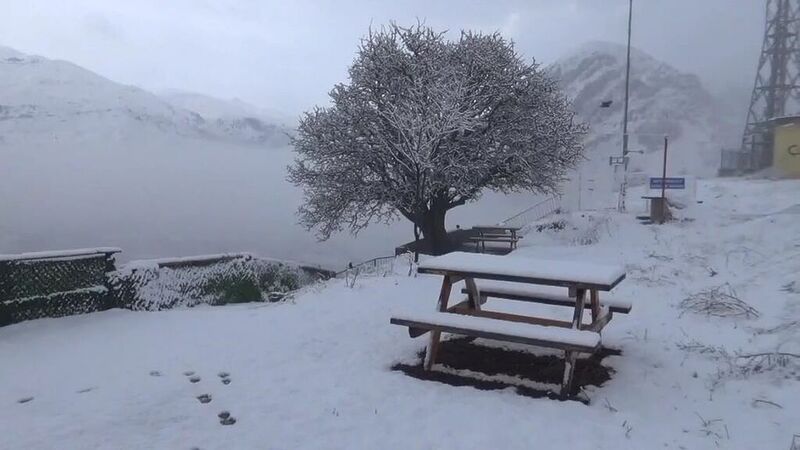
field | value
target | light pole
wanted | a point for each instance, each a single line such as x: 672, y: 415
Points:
x: 624, y: 186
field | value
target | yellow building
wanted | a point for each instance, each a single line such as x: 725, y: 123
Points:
x: 786, y: 152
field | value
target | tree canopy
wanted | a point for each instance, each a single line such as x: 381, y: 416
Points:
x: 426, y: 124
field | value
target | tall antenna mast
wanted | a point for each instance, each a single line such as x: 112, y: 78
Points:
x: 776, y: 87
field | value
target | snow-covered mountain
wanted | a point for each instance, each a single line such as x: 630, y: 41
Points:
x: 234, y: 117
x: 62, y: 101
x: 663, y: 101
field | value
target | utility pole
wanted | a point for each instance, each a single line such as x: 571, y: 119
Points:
x: 624, y: 186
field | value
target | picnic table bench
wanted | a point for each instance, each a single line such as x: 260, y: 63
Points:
x: 560, y: 283
x: 495, y: 233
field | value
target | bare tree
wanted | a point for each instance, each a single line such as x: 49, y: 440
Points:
x: 425, y: 125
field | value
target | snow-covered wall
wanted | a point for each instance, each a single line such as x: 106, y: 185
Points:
x: 153, y: 285
x: 55, y: 284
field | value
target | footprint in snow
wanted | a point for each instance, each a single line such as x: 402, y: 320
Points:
x: 25, y: 400
x: 205, y: 398
x: 225, y: 418
x: 155, y: 373
x: 83, y: 391
x: 225, y: 377
x: 194, y: 379
x: 188, y: 373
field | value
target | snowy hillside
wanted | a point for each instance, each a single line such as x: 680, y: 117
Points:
x: 88, y: 162
x: 316, y: 372
x: 663, y: 101
x: 234, y: 118
x: 58, y: 100
x: 213, y: 108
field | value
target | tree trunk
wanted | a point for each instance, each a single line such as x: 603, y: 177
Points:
x: 416, y: 243
x: 434, y: 232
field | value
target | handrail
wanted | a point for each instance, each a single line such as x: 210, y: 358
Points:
x: 535, y: 212
x: 373, y: 262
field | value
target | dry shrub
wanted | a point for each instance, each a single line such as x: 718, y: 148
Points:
x: 720, y: 301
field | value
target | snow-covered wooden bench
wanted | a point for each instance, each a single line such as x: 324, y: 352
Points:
x: 503, y: 330
x: 512, y: 276
x: 547, y: 295
x: 495, y: 233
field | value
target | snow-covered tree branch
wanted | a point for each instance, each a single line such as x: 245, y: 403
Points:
x: 425, y: 125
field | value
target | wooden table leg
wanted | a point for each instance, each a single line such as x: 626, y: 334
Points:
x: 571, y: 356
x: 473, y: 293
x: 433, y: 344
x: 595, y: 304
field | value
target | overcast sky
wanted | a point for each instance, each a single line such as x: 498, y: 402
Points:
x: 285, y: 55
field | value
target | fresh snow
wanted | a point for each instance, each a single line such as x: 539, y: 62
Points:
x: 60, y: 253
x: 315, y: 372
x: 89, y: 290
x: 545, y: 333
x: 574, y: 271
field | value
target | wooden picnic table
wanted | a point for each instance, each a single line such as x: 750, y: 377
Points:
x: 495, y: 233
x: 564, y: 283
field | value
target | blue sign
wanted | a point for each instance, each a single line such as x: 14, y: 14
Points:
x: 668, y: 183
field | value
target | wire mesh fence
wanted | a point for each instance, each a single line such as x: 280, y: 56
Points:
x: 54, y: 285
x: 734, y: 162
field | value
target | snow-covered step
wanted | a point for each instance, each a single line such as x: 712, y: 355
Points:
x: 502, y: 330
x: 550, y: 295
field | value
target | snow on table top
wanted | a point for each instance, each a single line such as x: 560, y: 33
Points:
x: 60, y: 253
x: 570, y: 272
x: 569, y: 336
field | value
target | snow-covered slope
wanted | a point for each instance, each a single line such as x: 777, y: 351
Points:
x: 210, y: 107
x: 663, y: 101
x: 235, y: 117
x: 314, y: 373
x: 58, y: 100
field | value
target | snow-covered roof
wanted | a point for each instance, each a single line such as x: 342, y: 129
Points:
x: 783, y: 120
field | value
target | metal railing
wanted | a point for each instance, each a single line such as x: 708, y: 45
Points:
x: 536, y: 212
x: 381, y: 266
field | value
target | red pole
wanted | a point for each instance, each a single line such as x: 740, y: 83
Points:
x: 664, y: 171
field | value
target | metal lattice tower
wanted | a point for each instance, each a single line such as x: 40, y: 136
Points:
x: 776, y: 90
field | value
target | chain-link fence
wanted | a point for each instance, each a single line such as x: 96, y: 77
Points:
x: 736, y: 162
x: 55, y: 284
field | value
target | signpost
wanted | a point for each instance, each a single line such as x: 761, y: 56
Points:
x: 667, y: 183
x: 616, y: 160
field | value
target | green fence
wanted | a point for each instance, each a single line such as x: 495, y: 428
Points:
x: 55, y: 284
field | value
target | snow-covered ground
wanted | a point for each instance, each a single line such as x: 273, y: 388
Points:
x: 315, y: 372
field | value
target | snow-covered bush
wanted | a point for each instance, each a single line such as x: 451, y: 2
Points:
x: 720, y: 301
x: 227, y: 279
